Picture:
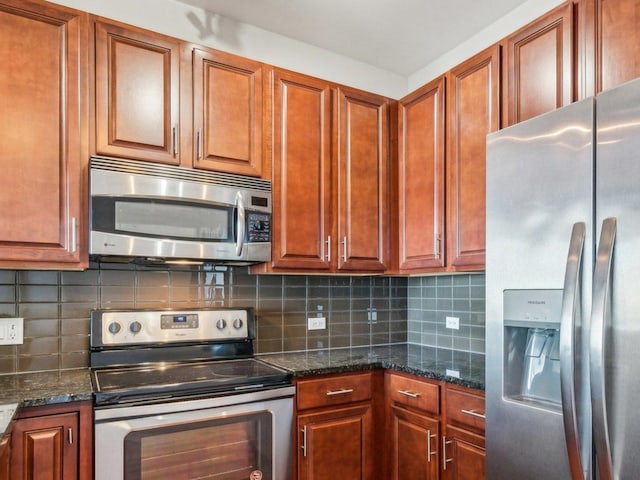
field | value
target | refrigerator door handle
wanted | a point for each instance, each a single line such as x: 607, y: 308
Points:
x: 571, y: 301
x: 600, y: 322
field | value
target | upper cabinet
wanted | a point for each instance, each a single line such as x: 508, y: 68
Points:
x: 302, y: 222
x: 421, y: 145
x: 43, y: 98
x: 330, y: 176
x: 612, y: 41
x: 227, y: 113
x: 473, y: 111
x: 362, y: 185
x: 137, y: 94
x: 540, y: 73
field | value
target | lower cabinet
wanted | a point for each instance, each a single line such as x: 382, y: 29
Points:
x: 335, y: 427
x: 415, y: 452
x: 463, y: 437
x: 52, y: 442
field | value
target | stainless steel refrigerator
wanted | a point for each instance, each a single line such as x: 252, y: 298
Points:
x: 563, y: 293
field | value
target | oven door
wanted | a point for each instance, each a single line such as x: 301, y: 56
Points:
x: 235, y: 437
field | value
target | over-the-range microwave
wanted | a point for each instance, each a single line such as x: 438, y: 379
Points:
x: 151, y: 213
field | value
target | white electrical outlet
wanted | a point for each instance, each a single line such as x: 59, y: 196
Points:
x: 11, y: 331
x: 453, y: 323
x: 316, y: 323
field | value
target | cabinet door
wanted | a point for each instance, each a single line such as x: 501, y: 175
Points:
x: 336, y: 444
x: 44, y: 447
x: 137, y: 94
x: 421, y: 177
x: 363, y: 190
x: 302, y: 172
x: 473, y: 111
x: 540, y: 71
x: 612, y: 30
x: 43, y: 88
x: 415, y: 445
x: 227, y: 113
x: 464, y: 460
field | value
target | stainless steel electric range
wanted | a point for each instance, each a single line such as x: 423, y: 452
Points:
x: 179, y: 395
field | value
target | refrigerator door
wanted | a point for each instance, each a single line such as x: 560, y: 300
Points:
x: 618, y: 197
x: 539, y: 184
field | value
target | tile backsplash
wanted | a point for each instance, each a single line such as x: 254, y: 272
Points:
x: 360, y: 310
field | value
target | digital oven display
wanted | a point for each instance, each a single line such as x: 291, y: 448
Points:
x: 182, y: 320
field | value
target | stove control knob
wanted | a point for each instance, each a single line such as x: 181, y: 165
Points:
x: 114, y: 327
x: 221, y: 324
x: 135, y: 327
x: 237, y: 323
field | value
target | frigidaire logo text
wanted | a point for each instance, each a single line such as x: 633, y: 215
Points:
x: 537, y: 302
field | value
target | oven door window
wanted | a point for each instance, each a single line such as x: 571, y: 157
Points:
x: 227, y: 448
x: 163, y: 219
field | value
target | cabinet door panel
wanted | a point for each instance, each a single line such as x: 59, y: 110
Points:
x: 415, y: 445
x: 41, y: 448
x: 302, y: 172
x: 227, y: 98
x: 137, y: 94
x: 337, y: 444
x: 42, y: 147
x: 362, y: 181
x: 473, y: 109
x: 467, y: 461
x: 540, y: 67
x: 421, y: 177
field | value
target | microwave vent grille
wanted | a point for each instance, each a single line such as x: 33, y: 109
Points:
x: 178, y: 173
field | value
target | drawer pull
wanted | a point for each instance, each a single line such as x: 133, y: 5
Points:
x: 342, y: 391
x: 473, y: 413
x: 407, y: 393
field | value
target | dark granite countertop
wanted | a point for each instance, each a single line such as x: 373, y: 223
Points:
x: 460, y: 368
x: 41, y: 388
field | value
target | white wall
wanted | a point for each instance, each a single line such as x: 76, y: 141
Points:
x: 511, y: 22
x: 195, y: 25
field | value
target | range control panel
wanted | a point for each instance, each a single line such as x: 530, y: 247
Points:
x: 145, y: 326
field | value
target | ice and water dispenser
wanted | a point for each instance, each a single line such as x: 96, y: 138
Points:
x: 531, y: 346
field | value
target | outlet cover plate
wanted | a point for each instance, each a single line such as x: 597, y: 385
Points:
x: 453, y: 323
x: 316, y: 323
x: 11, y: 331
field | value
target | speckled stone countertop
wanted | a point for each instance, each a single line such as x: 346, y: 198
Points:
x: 461, y: 368
x: 42, y: 388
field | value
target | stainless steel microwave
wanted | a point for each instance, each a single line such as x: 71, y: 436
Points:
x: 162, y: 213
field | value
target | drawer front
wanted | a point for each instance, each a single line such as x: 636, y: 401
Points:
x: 465, y: 408
x: 414, y: 393
x: 334, y: 390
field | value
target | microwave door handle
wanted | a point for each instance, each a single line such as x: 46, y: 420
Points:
x: 571, y: 300
x: 240, y: 223
x: 600, y: 324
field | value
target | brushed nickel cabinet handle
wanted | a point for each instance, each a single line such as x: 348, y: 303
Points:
x: 304, y: 441
x: 328, y: 242
x: 407, y: 393
x: 174, y: 138
x: 445, y: 460
x: 473, y: 413
x: 342, y: 391
x: 73, y: 234
x: 429, y: 452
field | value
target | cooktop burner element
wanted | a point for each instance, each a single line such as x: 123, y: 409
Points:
x: 143, y: 356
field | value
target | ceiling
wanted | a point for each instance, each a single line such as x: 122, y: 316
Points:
x: 400, y: 36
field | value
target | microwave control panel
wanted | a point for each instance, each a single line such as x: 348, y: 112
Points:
x: 258, y: 227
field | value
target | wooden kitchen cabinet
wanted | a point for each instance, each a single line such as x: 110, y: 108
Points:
x: 53, y: 442
x: 137, y: 93
x: 335, y: 424
x: 473, y: 111
x: 330, y: 177
x: 421, y: 178
x: 540, y: 72
x: 44, y: 150
x: 5, y: 457
x: 362, y: 242
x: 612, y: 41
x: 227, y: 113
x: 463, y: 437
x: 413, y: 407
